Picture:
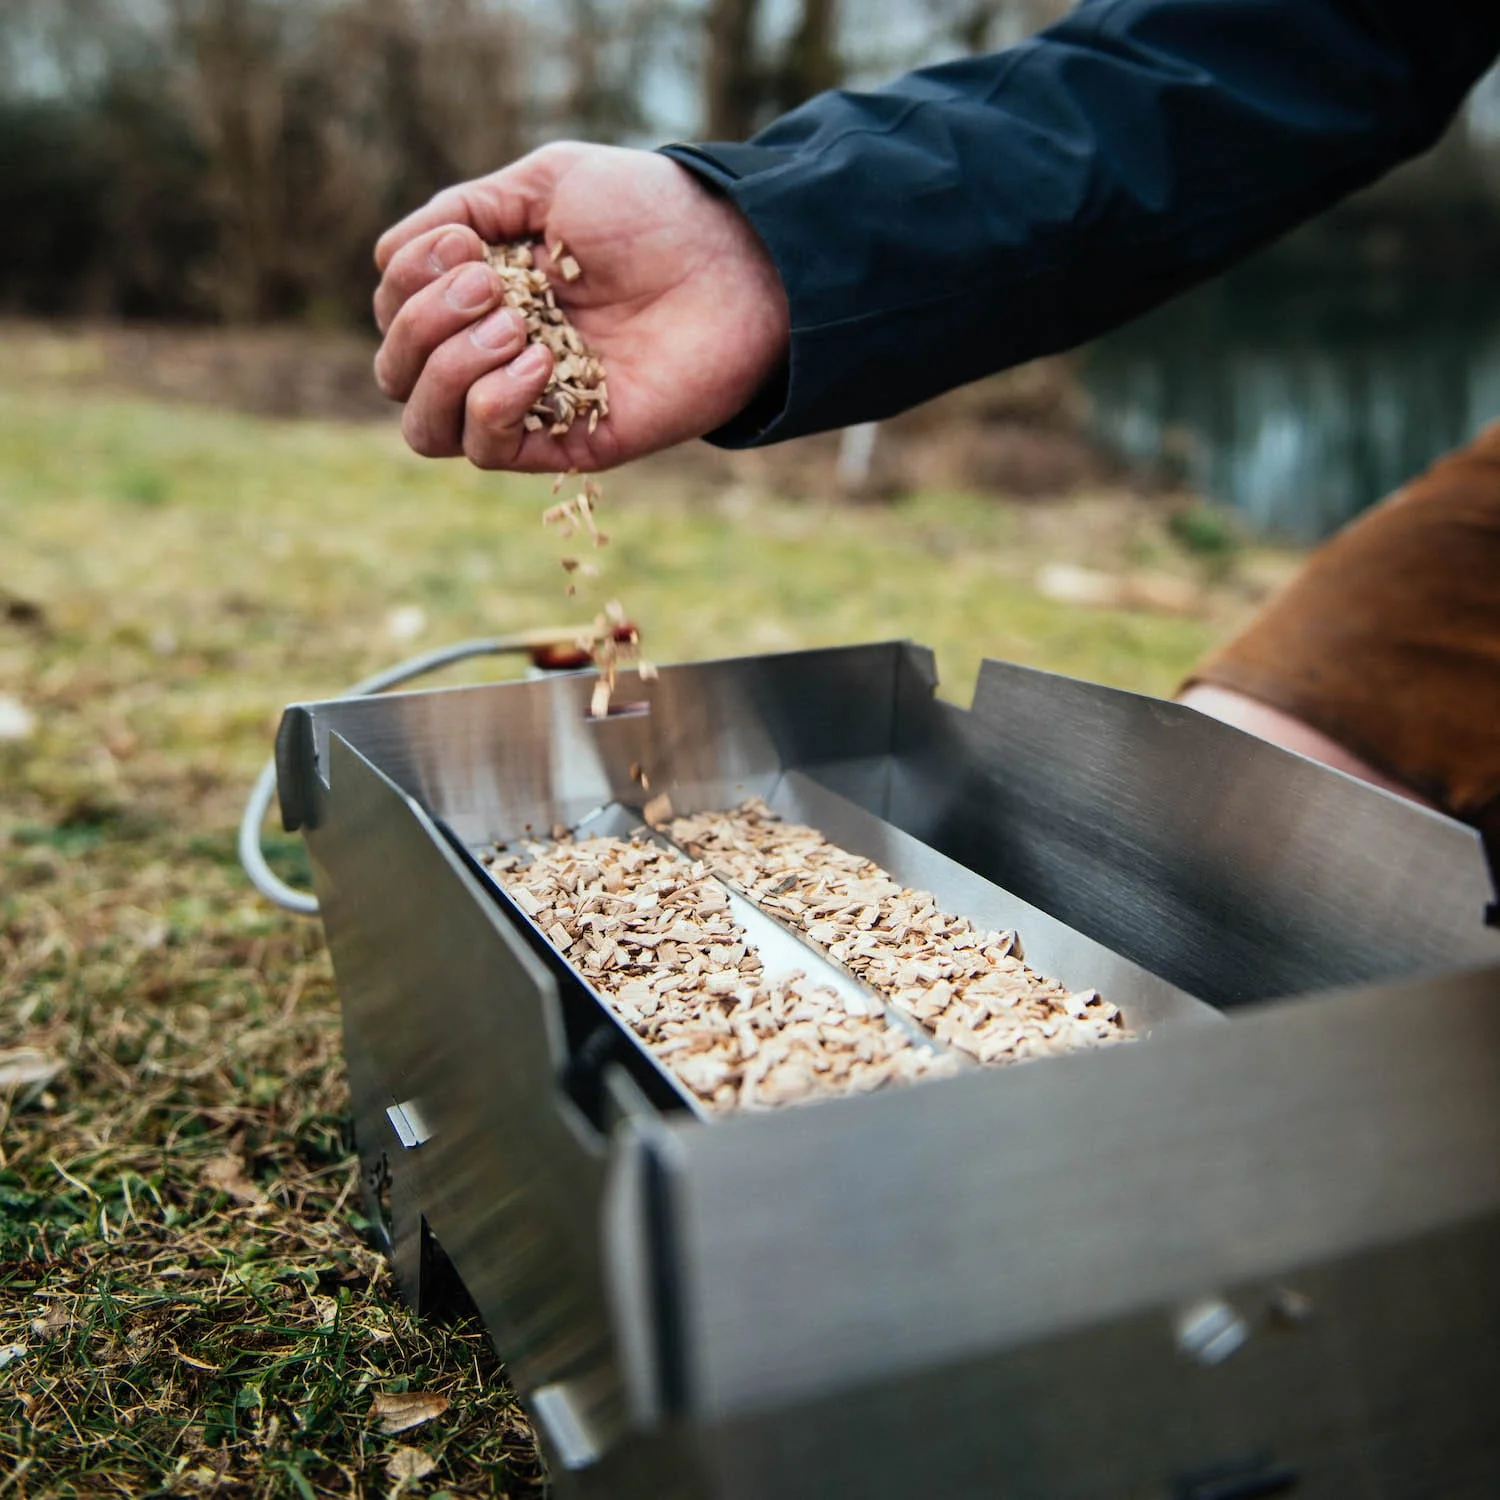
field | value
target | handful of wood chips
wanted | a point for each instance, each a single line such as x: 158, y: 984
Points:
x: 576, y: 389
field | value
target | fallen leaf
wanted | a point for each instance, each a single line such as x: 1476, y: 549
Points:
x: 51, y: 1323
x: 406, y: 1467
x: 408, y: 1464
x: 20, y: 1065
x: 17, y: 722
x: 227, y: 1173
x: 399, y: 1410
x: 9, y: 1352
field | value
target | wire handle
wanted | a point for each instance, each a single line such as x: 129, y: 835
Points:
x: 252, y: 856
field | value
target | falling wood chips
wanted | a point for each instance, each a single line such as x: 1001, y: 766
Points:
x: 576, y: 391
x: 398, y: 1411
x: 653, y: 932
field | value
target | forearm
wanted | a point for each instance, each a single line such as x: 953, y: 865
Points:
x: 978, y: 214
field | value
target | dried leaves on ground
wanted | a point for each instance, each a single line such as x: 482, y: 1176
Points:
x: 187, y: 1303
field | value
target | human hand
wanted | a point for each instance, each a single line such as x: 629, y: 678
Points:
x: 678, y: 298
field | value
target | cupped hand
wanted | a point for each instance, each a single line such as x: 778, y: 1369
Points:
x: 678, y: 298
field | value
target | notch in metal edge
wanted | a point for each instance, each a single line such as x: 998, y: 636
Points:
x: 569, y: 1436
x: 409, y: 1123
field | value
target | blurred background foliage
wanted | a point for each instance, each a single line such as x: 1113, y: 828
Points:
x: 233, y: 160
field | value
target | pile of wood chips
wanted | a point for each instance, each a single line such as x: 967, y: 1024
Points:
x: 654, y: 932
x: 970, y: 989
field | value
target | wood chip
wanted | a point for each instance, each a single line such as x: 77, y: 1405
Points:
x: 658, y: 810
x: 966, y: 987
x: 576, y: 389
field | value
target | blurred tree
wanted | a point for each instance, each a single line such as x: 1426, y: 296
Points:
x: 237, y: 158
x: 733, y: 83
x: 239, y: 84
x: 985, y: 25
x: 810, y: 61
x: 603, y: 99
x: 743, y: 88
x: 51, y: 187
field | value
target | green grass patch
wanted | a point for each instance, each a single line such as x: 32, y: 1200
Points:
x: 181, y: 1264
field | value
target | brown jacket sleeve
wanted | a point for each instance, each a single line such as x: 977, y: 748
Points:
x: 1389, y: 640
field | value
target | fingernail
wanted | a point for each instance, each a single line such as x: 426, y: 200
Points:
x: 501, y: 328
x: 452, y: 250
x: 529, y: 363
x: 472, y: 290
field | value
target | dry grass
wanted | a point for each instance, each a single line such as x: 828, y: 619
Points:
x: 186, y: 1303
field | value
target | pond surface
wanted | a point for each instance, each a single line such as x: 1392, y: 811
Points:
x: 1302, y: 396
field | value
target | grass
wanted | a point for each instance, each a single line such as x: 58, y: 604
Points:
x: 186, y: 1302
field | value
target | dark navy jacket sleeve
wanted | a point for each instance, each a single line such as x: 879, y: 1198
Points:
x: 980, y: 213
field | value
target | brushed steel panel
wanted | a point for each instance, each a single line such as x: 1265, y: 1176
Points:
x: 1234, y: 869
x: 902, y: 1230
x: 1051, y: 947
x: 444, y: 1005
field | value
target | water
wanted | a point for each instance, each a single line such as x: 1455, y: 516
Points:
x: 1301, y: 396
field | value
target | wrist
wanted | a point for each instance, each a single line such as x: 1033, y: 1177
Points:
x: 766, y: 335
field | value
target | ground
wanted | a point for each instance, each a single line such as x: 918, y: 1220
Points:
x: 186, y: 1302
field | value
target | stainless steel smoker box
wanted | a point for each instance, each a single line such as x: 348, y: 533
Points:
x: 1254, y: 1253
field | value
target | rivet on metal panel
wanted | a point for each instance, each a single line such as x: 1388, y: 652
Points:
x: 408, y: 1122
x: 1209, y: 1331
